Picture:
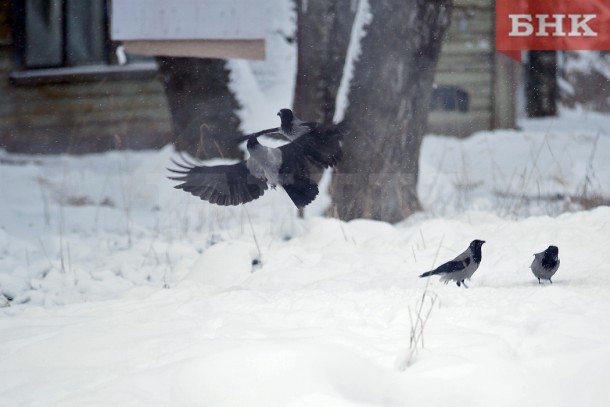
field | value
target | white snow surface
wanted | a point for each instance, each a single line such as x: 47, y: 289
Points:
x: 125, y: 291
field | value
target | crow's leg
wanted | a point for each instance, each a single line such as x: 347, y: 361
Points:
x: 539, y: 281
x: 458, y: 283
x: 464, y: 282
x: 551, y: 281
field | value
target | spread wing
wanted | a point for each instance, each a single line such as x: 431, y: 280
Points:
x: 273, y: 132
x: 223, y: 185
x: 321, y: 147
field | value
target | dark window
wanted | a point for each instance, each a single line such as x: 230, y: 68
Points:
x: 61, y: 33
x: 58, y: 41
x: 450, y: 98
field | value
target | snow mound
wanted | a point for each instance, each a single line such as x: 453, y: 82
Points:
x: 223, y: 265
x: 288, y: 374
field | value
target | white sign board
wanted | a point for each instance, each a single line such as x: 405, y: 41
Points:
x: 188, y: 20
x: 192, y: 28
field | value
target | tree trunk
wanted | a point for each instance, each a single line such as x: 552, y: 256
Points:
x: 198, y: 93
x: 388, y: 107
x: 541, y: 94
x: 323, y: 36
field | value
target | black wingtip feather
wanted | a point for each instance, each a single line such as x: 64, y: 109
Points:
x: 177, y: 171
x: 184, y: 167
x: 186, y: 160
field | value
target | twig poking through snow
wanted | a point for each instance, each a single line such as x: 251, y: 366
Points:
x: 258, y: 248
x: 170, y: 268
x: 336, y: 215
x: 419, y: 320
x: 4, y: 302
x: 590, y: 172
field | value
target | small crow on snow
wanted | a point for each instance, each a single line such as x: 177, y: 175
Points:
x: 245, y: 181
x: 545, y: 264
x: 460, y: 268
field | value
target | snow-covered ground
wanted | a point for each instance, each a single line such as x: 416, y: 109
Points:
x: 125, y: 291
x: 548, y: 167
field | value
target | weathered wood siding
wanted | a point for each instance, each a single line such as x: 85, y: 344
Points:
x: 81, y: 117
x: 468, y: 60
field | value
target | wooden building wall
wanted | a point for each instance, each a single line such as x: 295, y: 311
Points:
x: 126, y: 111
x: 124, y: 108
x: 469, y: 61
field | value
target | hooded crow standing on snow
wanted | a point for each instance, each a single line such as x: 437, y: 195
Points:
x: 460, y: 268
x: 545, y: 264
x: 247, y: 180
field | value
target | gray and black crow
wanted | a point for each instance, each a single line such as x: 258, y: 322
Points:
x: 291, y: 127
x: 460, y: 268
x: 545, y: 264
x: 247, y: 180
x: 329, y: 135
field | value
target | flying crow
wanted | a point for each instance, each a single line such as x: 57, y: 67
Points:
x: 245, y: 181
x: 327, y: 135
x: 545, y: 264
x: 291, y: 127
x: 460, y: 268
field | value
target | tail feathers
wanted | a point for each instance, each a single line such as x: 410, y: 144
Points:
x: 301, y: 190
x: 429, y: 273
